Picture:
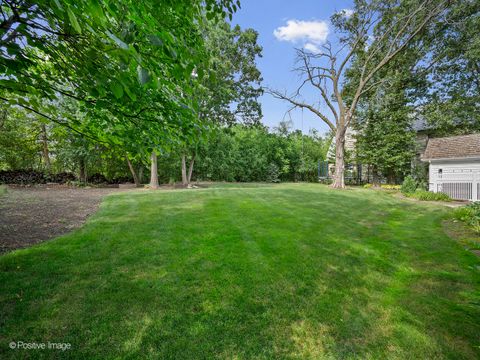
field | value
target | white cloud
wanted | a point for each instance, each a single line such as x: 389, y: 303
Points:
x: 313, y: 32
x: 311, y: 47
x: 347, y: 12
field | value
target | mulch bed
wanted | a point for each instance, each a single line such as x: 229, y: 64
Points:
x: 32, y: 214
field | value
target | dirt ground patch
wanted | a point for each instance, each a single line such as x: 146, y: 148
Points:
x: 29, y: 215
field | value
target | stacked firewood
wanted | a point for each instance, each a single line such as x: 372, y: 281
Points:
x: 27, y: 177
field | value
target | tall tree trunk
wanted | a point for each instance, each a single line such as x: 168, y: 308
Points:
x: 184, y: 171
x: 391, y: 177
x: 376, y: 176
x: 136, y: 180
x: 190, y: 170
x: 339, y: 177
x: 45, y: 152
x: 83, y: 171
x: 140, y: 174
x: 153, y: 171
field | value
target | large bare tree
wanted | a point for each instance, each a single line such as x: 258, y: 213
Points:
x: 373, y: 35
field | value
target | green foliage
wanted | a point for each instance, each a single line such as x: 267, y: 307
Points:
x: 409, y: 185
x: 469, y: 214
x: 229, y: 89
x: 368, y: 186
x: 434, y: 78
x: 273, y: 173
x: 236, y: 153
x: 419, y: 171
x: 385, y: 139
x: 75, y: 36
x: 424, y: 195
x: 126, y: 68
x: 21, y: 147
x: 246, y: 153
x: 19, y: 139
x: 453, y: 72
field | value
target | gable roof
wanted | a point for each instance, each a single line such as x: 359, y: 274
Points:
x: 454, y: 147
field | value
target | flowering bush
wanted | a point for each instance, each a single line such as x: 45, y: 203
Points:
x: 391, y: 187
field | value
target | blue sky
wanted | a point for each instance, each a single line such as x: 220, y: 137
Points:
x: 266, y: 16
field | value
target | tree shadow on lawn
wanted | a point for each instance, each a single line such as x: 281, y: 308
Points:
x: 260, y: 274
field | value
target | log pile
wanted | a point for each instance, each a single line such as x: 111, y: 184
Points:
x: 22, y: 177
x: 32, y: 177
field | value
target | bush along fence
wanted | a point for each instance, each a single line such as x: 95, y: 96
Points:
x: 413, y: 189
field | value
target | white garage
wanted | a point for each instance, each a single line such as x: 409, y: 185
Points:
x: 455, y: 166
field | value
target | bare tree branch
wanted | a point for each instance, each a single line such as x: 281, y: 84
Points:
x: 318, y: 85
x: 299, y: 104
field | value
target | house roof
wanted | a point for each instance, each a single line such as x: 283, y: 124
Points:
x: 454, y: 147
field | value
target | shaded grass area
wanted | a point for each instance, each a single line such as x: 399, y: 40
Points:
x: 3, y: 190
x: 286, y: 271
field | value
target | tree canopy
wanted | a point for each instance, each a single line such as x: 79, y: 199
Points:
x: 112, y: 57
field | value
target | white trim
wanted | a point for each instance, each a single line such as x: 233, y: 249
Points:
x: 476, y: 157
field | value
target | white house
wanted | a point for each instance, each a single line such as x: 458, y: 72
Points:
x: 455, y: 166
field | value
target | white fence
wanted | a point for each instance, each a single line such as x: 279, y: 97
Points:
x: 460, y: 182
x: 459, y: 191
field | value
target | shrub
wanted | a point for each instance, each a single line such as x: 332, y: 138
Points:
x: 327, y: 181
x: 409, y: 185
x: 367, y: 186
x: 422, y: 185
x: 470, y: 215
x: 273, y: 173
x: 428, y: 196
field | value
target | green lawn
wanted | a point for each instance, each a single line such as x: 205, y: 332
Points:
x: 255, y: 272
